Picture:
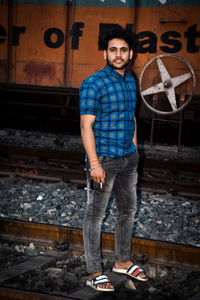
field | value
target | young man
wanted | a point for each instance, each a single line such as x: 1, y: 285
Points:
x: 108, y: 129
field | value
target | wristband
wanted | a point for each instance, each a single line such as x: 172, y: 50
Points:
x: 94, y: 160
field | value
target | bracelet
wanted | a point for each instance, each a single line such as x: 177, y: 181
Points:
x: 94, y: 167
x: 93, y: 160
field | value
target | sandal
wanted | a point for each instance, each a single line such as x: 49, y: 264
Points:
x: 134, y: 271
x: 95, y: 281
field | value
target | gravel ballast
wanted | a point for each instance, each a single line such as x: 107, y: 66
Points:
x: 160, y: 217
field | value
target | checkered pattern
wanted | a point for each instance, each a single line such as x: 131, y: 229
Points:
x: 112, y: 99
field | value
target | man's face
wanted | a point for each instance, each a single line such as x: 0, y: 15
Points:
x: 118, y: 54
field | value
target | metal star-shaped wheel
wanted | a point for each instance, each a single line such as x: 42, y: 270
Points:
x: 164, y: 91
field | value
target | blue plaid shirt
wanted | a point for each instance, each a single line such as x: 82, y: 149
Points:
x: 112, y: 99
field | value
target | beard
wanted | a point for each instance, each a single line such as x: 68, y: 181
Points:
x: 125, y: 64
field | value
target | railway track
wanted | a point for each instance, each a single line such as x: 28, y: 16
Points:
x: 157, y: 253
x: 155, y: 175
x: 175, y: 177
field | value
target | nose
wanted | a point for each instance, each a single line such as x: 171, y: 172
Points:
x: 118, y: 53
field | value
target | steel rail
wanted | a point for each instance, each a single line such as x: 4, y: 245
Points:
x: 16, y: 151
x: 33, y: 171
x: 159, y: 252
x: 67, y: 166
x: 162, y: 186
x: 16, y: 294
x: 74, y: 175
x: 146, y: 163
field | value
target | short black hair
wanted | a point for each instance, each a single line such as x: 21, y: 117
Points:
x: 116, y: 32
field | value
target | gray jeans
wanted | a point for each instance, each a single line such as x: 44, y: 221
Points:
x: 121, y: 179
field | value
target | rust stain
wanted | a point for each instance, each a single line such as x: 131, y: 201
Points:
x: 36, y: 72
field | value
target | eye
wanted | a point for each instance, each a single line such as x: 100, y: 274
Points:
x: 124, y: 49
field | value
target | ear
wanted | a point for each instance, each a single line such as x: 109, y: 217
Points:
x: 131, y: 54
x: 105, y: 54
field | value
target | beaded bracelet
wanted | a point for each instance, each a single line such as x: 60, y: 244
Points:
x: 94, y: 162
x: 94, y: 167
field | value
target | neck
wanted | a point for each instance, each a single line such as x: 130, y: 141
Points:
x: 120, y: 71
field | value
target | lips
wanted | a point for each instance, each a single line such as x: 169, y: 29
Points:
x: 118, y: 60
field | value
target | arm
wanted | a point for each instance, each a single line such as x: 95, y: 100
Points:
x: 87, y: 121
x: 135, y: 133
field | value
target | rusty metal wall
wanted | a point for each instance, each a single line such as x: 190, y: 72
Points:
x: 44, y: 44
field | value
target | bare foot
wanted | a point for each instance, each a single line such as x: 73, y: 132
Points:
x: 123, y: 265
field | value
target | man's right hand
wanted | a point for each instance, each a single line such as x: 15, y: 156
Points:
x: 98, y: 174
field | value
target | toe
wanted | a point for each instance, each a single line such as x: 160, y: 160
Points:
x: 143, y: 276
x: 106, y: 286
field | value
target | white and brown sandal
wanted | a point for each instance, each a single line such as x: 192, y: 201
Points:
x: 134, y: 271
x: 95, y: 281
